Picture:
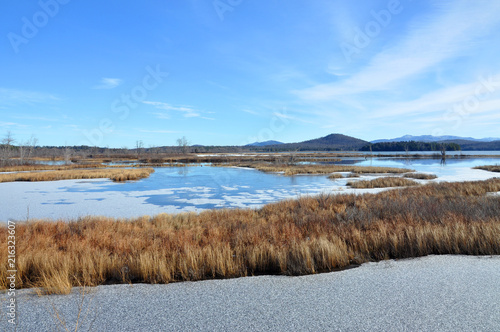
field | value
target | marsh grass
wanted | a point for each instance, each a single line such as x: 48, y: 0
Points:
x: 293, y: 237
x: 317, y: 168
x: 335, y: 176
x: 353, y: 175
x: 491, y: 168
x: 115, y: 174
x: 383, y: 182
x: 26, y: 168
x: 420, y: 176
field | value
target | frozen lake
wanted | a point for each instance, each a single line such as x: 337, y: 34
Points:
x: 434, y: 293
x: 196, y: 188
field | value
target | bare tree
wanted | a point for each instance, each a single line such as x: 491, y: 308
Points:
x: 6, y: 148
x: 22, y: 152
x: 26, y: 149
x: 183, y: 144
x: 67, y: 155
x: 139, y: 146
x: 8, y: 139
x: 292, y: 160
x: 107, y: 152
x: 31, y: 144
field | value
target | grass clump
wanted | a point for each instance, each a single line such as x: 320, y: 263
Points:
x: 317, y: 168
x: 115, y: 174
x: 420, y: 176
x: 335, y: 176
x: 353, y: 175
x: 293, y: 237
x: 384, y: 182
x: 39, y: 167
x: 491, y: 168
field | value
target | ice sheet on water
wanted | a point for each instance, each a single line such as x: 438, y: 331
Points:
x: 183, y: 189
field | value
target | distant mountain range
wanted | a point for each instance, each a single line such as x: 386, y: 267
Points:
x: 266, y: 143
x: 332, y: 142
x: 430, y: 138
x: 339, y: 142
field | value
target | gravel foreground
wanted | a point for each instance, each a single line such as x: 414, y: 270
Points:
x: 434, y: 293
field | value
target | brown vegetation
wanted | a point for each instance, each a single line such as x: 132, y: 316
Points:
x: 384, y: 182
x: 491, y: 168
x: 316, y: 168
x: 335, y: 176
x: 420, y: 176
x: 115, y: 174
x: 39, y: 167
x: 293, y: 237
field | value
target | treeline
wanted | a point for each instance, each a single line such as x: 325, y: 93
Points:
x: 411, y: 146
x: 479, y: 146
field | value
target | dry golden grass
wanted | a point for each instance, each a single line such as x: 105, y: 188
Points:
x: 316, y: 168
x: 420, y: 176
x: 115, y: 174
x: 491, y: 168
x: 335, y: 176
x: 26, y: 168
x: 384, y: 182
x: 293, y: 237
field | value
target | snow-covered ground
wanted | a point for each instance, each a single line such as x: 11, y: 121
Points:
x: 435, y: 293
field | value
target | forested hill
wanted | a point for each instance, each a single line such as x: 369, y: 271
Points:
x: 477, y: 146
x: 332, y: 142
x: 411, y: 146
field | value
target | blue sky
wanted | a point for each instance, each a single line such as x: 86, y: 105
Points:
x: 231, y: 72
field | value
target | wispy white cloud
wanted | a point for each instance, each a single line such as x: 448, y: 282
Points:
x: 158, y: 131
x: 14, y: 96
x: 13, y: 124
x: 73, y: 126
x: 483, y: 94
x: 8, y: 124
x: 108, y: 83
x: 291, y: 117
x: 38, y: 118
x: 454, y: 28
x: 249, y: 111
x: 187, y: 111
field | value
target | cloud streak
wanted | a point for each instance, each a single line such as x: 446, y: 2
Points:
x: 186, y: 111
x: 108, y: 83
x: 157, y: 131
x: 430, y: 41
x: 14, y: 96
x: 482, y: 95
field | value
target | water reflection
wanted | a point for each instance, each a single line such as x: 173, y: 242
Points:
x: 183, y: 171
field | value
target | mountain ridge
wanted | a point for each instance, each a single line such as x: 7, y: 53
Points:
x: 265, y: 143
x: 431, y: 138
x: 332, y: 142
